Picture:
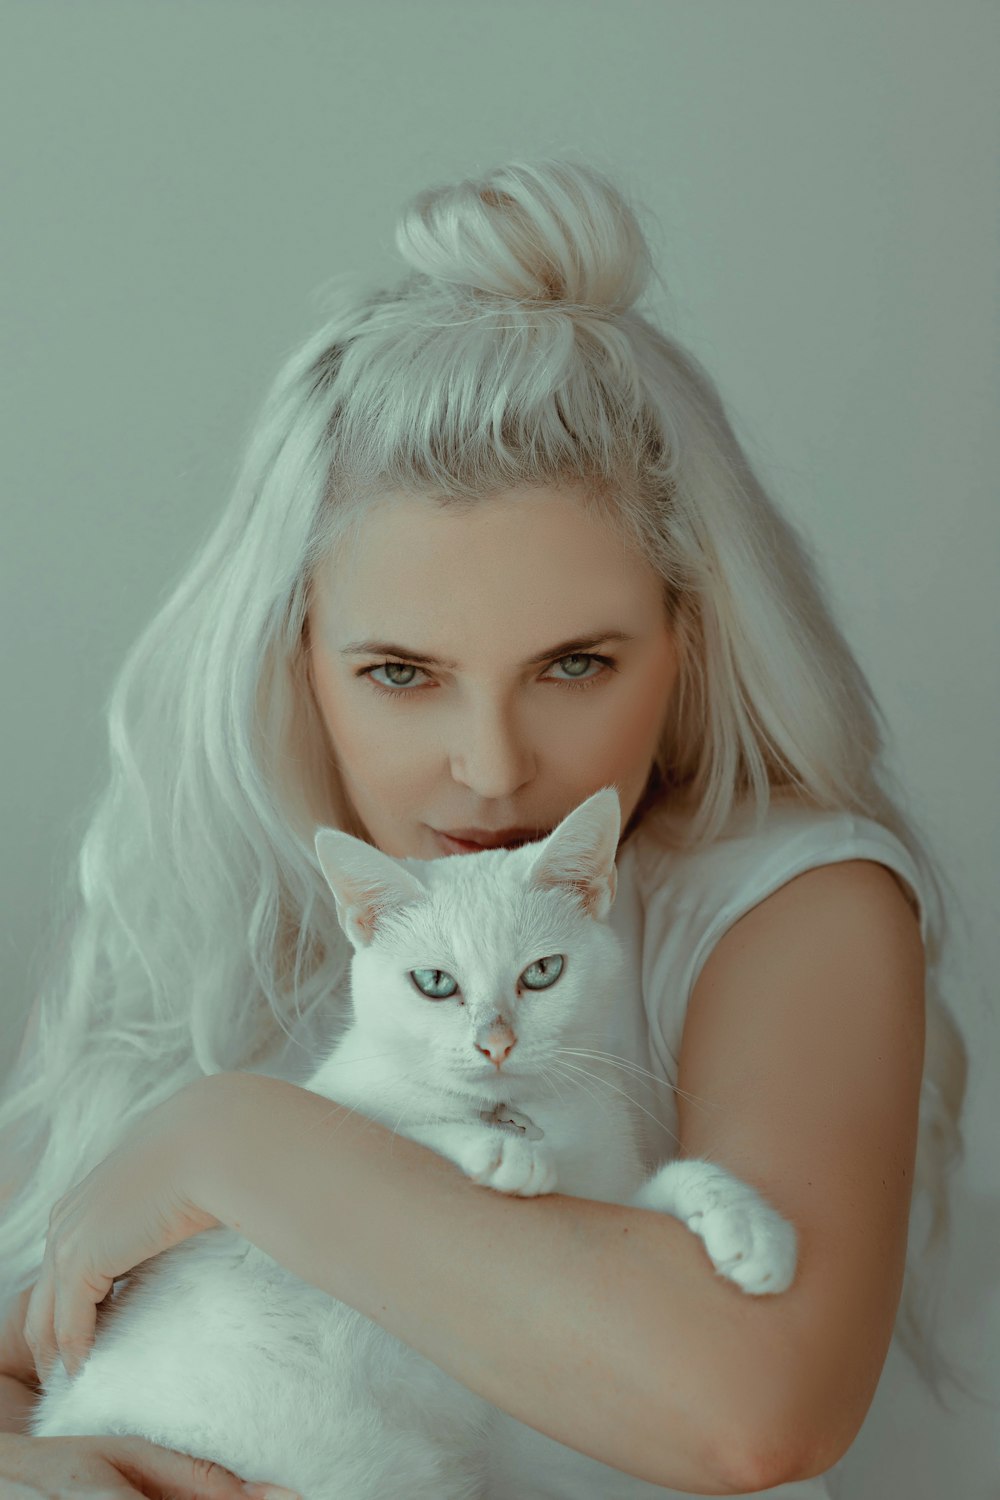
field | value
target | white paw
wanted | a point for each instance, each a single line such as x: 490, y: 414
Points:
x: 747, y: 1240
x: 509, y: 1163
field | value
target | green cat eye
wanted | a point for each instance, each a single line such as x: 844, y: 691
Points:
x: 543, y: 972
x: 434, y: 983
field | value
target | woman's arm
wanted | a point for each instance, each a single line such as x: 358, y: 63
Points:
x: 604, y: 1327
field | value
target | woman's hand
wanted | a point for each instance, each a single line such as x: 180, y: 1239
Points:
x: 134, y: 1204
x: 107, y: 1468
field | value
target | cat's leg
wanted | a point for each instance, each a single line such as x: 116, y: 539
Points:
x: 491, y: 1155
x: 747, y: 1240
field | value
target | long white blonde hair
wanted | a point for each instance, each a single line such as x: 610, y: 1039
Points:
x: 196, y: 925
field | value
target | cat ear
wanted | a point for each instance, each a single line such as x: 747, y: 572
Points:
x: 366, y: 883
x: 580, y: 852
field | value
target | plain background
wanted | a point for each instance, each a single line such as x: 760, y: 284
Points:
x: 819, y: 185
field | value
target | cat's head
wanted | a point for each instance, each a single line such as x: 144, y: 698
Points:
x: 484, y: 964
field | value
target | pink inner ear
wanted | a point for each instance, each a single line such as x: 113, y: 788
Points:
x: 585, y: 891
x: 362, y: 893
x: 367, y: 921
x: 588, y: 895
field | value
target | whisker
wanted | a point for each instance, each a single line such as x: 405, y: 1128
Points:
x: 627, y: 1063
x: 617, y: 1090
x: 544, y: 1071
x: 598, y: 1079
x: 613, y: 1058
x: 617, y: 1057
x: 575, y: 1069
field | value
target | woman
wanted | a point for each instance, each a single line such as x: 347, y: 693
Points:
x: 461, y: 493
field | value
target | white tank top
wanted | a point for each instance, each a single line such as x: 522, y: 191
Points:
x: 673, y: 907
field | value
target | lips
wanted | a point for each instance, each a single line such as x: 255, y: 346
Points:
x: 452, y: 844
x: 485, y: 838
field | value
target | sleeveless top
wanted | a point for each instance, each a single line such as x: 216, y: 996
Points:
x: 670, y: 909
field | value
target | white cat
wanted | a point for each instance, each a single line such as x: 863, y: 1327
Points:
x: 471, y: 976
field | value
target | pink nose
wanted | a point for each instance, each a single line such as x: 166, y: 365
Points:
x: 497, y: 1049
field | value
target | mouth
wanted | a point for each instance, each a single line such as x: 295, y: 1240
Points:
x: 466, y: 846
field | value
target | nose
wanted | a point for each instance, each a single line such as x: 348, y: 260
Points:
x: 499, y: 1044
x: 497, y: 761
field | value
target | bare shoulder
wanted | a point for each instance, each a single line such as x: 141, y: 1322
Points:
x: 800, y: 1071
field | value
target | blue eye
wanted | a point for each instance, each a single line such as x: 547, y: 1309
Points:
x: 434, y: 983
x: 543, y: 972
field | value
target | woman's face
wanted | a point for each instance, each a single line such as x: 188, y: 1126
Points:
x: 530, y: 704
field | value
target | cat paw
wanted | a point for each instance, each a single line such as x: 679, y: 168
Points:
x: 749, y: 1243
x: 747, y: 1240
x: 510, y: 1163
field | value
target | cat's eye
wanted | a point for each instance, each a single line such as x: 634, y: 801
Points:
x: 434, y: 983
x: 543, y: 972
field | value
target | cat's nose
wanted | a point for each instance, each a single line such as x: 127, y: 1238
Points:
x: 498, y: 1047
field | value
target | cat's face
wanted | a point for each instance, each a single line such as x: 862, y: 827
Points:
x: 484, y: 965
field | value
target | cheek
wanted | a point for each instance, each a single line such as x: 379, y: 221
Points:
x: 641, y: 718
x: 383, y: 768
x: 645, y: 712
x: 353, y: 725
x: 628, y: 733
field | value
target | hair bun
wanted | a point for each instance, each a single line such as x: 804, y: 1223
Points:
x: 547, y: 231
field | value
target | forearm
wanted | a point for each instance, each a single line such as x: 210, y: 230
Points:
x: 16, y: 1403
x: 605, y: 1327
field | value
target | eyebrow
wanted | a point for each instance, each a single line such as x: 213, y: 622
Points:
x: 563, y: 648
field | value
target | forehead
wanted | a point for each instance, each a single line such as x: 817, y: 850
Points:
x: 541, y: 554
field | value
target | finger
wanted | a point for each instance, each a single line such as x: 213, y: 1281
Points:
x: 75, y: 1315
x: 38, y: 1330
x: 169, y: 1474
